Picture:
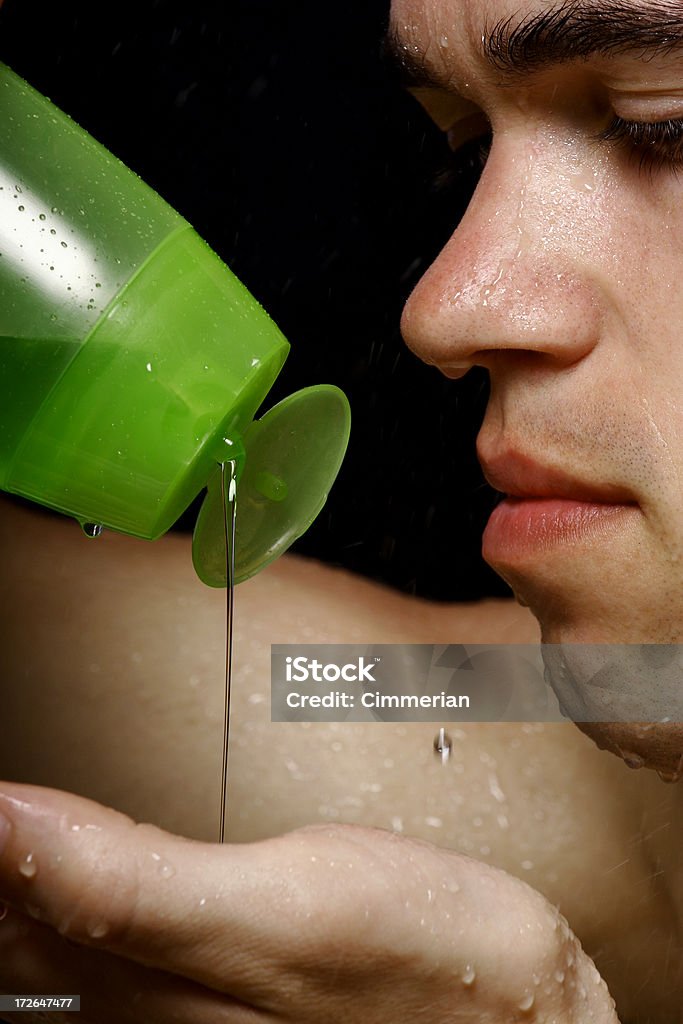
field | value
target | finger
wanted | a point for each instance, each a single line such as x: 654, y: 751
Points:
x: 34, y: 959
x: 228, y: 917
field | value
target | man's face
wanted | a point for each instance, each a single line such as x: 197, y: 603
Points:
x: 565, y: 280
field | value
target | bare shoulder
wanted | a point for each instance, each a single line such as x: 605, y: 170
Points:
x: 113, y: 682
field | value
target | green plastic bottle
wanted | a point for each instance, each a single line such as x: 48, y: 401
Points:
x: 133, y: 361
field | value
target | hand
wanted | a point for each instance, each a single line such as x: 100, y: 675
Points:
x: 332, y: 924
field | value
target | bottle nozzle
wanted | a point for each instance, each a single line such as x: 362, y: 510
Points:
x: 292, y: 456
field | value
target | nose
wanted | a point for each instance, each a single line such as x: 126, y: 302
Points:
x: 517, y: 276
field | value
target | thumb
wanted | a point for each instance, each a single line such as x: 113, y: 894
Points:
x: 102, y: 880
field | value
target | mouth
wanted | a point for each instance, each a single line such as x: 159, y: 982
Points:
x: 543, y: 506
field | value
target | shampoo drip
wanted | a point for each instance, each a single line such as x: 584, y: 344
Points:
x: 229, y: 502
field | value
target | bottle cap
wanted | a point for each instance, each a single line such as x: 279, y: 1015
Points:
x: 291, y: 458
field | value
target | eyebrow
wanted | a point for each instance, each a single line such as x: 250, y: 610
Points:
x: 572, y: 31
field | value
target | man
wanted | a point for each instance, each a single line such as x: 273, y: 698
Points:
x: 544, y: 285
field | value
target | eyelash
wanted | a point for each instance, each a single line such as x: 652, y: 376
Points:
x: 653, y: 145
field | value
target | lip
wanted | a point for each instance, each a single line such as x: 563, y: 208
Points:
x: 545, y: 506
x: 519, y: 476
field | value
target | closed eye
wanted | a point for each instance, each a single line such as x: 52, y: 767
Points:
x: 653, y: 145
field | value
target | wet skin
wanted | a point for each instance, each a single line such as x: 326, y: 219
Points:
x: 113, y: 682
x: 562, y: 280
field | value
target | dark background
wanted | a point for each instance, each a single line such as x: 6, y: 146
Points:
x: 276, y: 131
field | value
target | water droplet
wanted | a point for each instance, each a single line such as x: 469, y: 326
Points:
x: 633, y: 760
x: 433, y: 821
x: 163, y: 867
x: 41, y: 216
x: 559, y: 976
x: 22, y: 208
x: 28, y: 867
x: 55, y: 209
x: 97, y: 929
x: 53, y: 231
x: 92, y: 529
x: 63, y: 245
x: 527, y: 1001
x: 469, y: 975
x: 149, y: 367
x: 442, y: 745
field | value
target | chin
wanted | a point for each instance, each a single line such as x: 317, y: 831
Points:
x: 628, y: 614
x: 642, y: 745
x: 628, y: 697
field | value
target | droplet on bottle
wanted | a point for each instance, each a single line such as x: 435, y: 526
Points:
x: 28, y: 867
x: 469, y: 975
x: 55, y: 209
x: 92, y: 529
x: 63, y: 245
x: 41, y: 216
x: 559, y: 976
x: 633, y: 760
x: 53, y: 231
x: 526, y: 1002
x: 442, y: 745
x: 22, y: 208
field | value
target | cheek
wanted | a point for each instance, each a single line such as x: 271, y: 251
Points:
x: 639, y: 225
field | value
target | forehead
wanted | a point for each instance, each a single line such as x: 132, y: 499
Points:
x: 429, y: 25
x: 419, y: 21
x: 454, y: 44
